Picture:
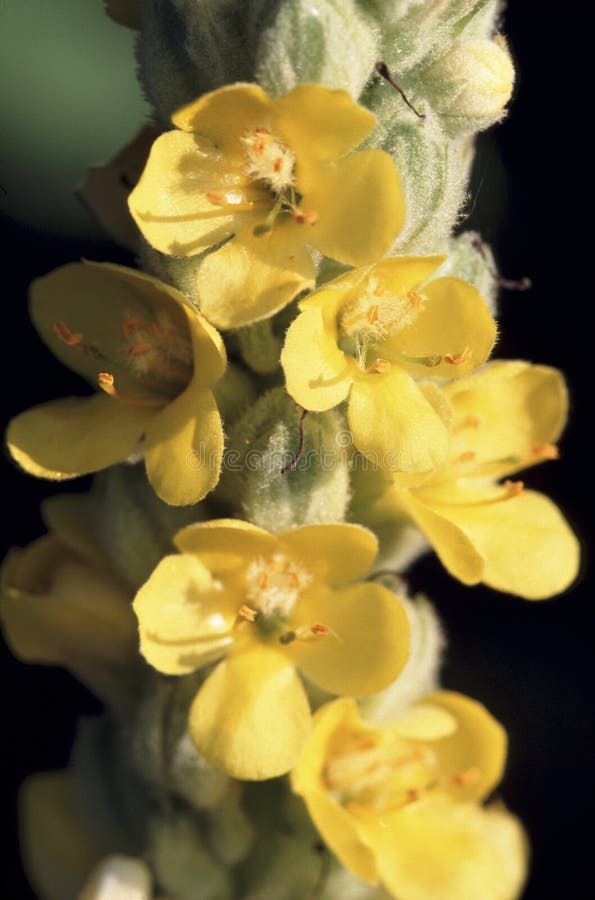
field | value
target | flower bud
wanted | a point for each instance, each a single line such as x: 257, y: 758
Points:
x: 182, y: 863
x: 189, y: 47
x: 133, y: 525
x: 471, y: 84
x: 286, y: 468
x: 331, y: 42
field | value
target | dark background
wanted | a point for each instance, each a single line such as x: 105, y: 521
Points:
x: 531, y: 664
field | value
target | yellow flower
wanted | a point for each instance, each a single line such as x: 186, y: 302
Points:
x: 367, y: 335
x: 155, y: 359
x: 398, y: 804
x: 61, y: 605
x: 277, y: 175
x: 505, y: 418
x: 269, y: 603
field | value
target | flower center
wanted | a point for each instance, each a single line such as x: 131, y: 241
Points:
x: 380, y: 772
x: 373, y: 315
x: 274, y: 584
x: 269, y: 160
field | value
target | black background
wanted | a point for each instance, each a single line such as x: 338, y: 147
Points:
x: 531, y: 664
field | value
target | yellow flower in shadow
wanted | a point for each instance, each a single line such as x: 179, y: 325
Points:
x: 155, y: 359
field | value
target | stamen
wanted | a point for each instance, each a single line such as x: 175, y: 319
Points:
x: 546, y: 451
x: 305, y: 633
x: 513, y: 488
x: 139, y: 349
x: 468, y: 422
x: 247, y: 613
x: 508, y: 284
x: 467, y: 778
x: 130, y: 325
x: 305, y: 218
x: 107, y: 383
x: 67, y: 336
x: 379, y: 367
x: 467, y: 456
x: 459, y: 358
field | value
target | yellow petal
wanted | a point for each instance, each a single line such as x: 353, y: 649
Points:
x: 251, y: 716
x: 368, y: 640
x: 225, y: 544
x: 58, y: 853
x: 171, y: 205
x: 477, y: 746
x: 425, y: 722
x: 251, y: 277
x: 400, y: 274
x: 456, y: 549
x: 455, y: 317
x: 517, y: 409
x: 208, y: 349
x: 360, y: 207
x: 226, y: 114
x: 528, y: 546
x: 318, y: 375
x: 336, y: 554
x: 444, y: 851
x: 57, y: 609
x: 337, y: 827
x: 93, y: 300
x: 320, y: 122
x: 184, y: 447
x: 394, y: 425
x: 66, y: 438
x: 184, y: 620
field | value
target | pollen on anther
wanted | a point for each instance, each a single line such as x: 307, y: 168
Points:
x: 247, y: 613
x: 546, y: 451
x: 458, y: 359
x: 513, y: 488
x: 140, y: 349
x: 64, y: 334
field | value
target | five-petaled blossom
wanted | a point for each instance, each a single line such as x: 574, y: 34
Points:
x: 155, y: 359
x: 268, y: 604
x: 368, y: 335
x: 275, y: 176
x: 504, y: 419
x: 399, y: 803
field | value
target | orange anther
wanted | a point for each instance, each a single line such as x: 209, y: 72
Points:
x: 379, y: 367
x: 513, y: 488
x: 294, y: 579
x: 277, y: 164
x: 129, y: 326
x: 305, y: 218
x: 106, y: 383
x: 546, y: 451
x: 467, y: 456
x: 64, y: 334
x: 139, y: 349
x: 459, y: 358
x: 320, y: 629
x: 414, y: 298
x: 373, y: 314
x: 467, y: 778
x: 413, y: 794
x: 155, y: 329
x: 468, y: 422
x: 263, y: 581
x: 216, y: 198
x: 247, y: 613
x: 262, y: 131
